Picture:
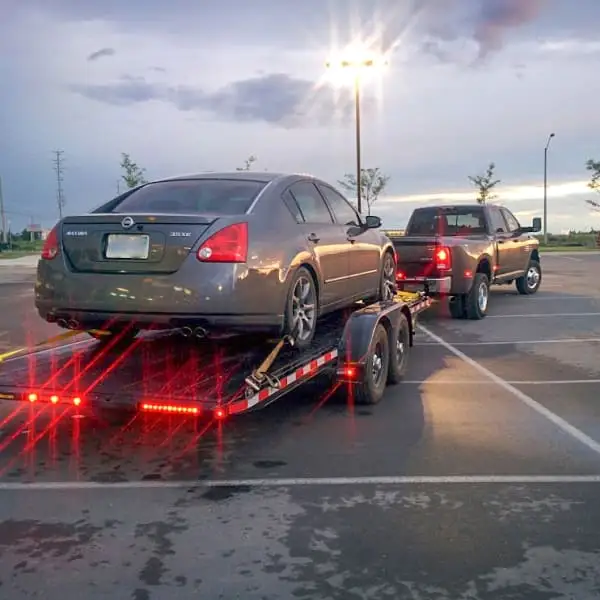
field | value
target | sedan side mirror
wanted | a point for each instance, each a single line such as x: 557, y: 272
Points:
x: 536, y: 224
x: 372, y: 222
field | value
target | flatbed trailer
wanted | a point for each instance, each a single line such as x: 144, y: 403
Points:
x: 366, y: 347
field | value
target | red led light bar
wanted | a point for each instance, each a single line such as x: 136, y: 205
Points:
x: 170, y: 408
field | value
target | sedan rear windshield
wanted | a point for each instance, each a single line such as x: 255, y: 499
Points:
x: 447, y: 221
x: 192, y: 196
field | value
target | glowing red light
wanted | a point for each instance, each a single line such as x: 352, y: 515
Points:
x: 54, y: 399
x: 219, y: 413
x: 77, y: 401
x: 32, y: 397
x: 400, y: 275
x: 468, y: 274
x: 169, y: 408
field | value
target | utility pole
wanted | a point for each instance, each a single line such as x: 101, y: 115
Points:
x: 2, y: 214
x: 58, y: 167
x: 546, y: 188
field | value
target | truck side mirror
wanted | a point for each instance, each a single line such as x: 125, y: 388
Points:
x: 537, y: 224
x: 372, y: 222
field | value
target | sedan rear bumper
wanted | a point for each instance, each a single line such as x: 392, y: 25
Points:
x: 85, y: 319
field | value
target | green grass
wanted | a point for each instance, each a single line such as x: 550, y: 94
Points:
x: 568, y: 249
x: 7, y: 254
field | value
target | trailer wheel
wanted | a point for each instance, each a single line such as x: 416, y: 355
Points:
x: 476, y: 301
x: 399, y: 351
x: 370, y: 389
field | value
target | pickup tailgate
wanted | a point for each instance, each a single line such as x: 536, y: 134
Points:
x: 416, y: 256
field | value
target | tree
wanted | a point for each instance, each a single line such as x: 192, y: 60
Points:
x: 594, y: 183
x: 372, y: 183
x: 133, y: 174
x: 485, y: 184
x: 248, y: 163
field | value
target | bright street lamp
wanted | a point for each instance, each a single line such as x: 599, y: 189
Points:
x: 353, y: 64
x: 546, y: 188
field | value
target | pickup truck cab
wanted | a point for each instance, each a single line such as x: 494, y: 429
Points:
x: 459, y: 251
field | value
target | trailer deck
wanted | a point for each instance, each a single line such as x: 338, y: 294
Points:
x: 165, y: 372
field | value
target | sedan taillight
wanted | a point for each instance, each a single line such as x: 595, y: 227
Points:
x: 229, y: 245
x: 51, y: 248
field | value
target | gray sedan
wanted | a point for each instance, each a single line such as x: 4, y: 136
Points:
x: 231, y: 252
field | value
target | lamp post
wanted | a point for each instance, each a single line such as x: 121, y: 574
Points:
x: 546, y: 188
x: 356, y: 63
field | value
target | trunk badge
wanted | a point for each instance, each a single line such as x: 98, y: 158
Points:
x: 127, y: 223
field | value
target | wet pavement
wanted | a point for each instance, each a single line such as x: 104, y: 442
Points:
x: 478, y: 477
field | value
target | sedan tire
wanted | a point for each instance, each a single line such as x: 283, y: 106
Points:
x: 301, y: 309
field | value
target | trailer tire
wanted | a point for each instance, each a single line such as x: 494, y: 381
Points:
x: 399, y: 351
x: 530, y: 282
x: 370, y: 390
x: 476, y: 301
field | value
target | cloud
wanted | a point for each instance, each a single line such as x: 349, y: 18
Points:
x: 497, y: 17
x: 101, y: 54
x: 276, y: 99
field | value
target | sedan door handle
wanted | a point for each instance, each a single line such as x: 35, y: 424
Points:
x: 313, y: 237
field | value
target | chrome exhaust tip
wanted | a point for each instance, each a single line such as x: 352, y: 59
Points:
x: 73, y: 324
x: 62, y: 323
x: 200, y: 332
x: 186, y: 332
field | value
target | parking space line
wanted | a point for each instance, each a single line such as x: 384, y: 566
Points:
x: 300, y: 482
x: 513, y: 382
x: 540, y: 315
x: 565, y: 426
x: 509, y: 343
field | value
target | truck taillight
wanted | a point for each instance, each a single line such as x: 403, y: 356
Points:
x: 51, y: 246
x: 229, y: 245
x: 443, y: 262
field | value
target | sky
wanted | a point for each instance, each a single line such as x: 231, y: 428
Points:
x: 188, y: 86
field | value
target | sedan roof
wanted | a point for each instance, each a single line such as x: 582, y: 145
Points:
x: 241, y: 175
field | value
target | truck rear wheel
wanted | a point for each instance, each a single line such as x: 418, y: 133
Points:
x: 476, y: 301
x: 456, y: 304
x: 370, y: 389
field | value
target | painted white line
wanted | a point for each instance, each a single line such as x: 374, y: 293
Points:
x: 514, y: 382
x: 300, y: 482
x: 517, y: 342
x: 540, y: 315
x: 556, y: 297
x: 565, y: 426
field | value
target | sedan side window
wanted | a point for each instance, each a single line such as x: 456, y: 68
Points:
x: 311, y: 203
x: 293, y: 207
x: 511, y: 221
x: 342, y: 209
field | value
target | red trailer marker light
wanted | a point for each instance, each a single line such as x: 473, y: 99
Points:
x: 169, y: 408
x: 220, y: 413
x: 32, y: 397
x: 54, y: 399
x: 77, y: 401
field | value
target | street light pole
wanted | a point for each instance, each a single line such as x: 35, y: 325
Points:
x: 358, y: 158
x: 356, y: 63
x: 546, y: 188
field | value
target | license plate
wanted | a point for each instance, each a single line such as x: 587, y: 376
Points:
x: 130, y: 247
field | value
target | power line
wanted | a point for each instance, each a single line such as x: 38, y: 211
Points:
x: 58, y: 168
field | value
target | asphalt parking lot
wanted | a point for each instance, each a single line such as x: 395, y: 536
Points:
x: 477, y: 478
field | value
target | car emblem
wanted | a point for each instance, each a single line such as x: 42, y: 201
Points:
x: 127, y: 223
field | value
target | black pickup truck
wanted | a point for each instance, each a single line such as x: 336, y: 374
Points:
x: 459, y: 251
